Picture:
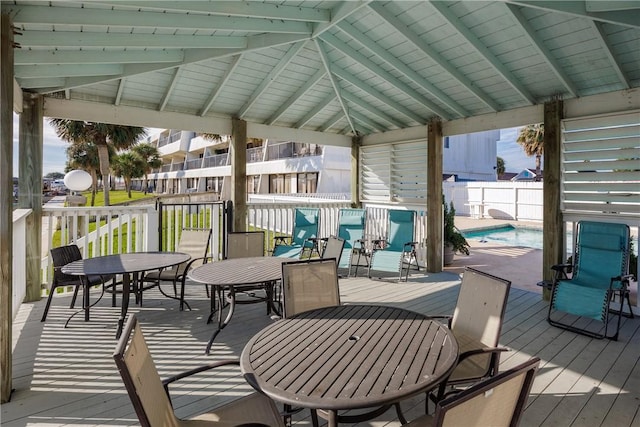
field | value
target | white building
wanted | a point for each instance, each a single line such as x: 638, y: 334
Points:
x: 192, y: 163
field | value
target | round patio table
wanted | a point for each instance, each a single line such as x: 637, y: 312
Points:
x: 231, y: 273
x: 125, y: 264
x: 349, y: 357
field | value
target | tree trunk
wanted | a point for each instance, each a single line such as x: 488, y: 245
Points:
x: 94, y: 186
x: 103, y: 155
x: 146, y: 183
x: 538, y: 166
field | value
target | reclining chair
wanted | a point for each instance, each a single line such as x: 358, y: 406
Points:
x: 304, y: 235
x: 391, y: 255
x: 599, y: 272
x: 351, y: 225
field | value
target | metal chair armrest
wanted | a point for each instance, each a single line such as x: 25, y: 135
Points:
x: 190, y: 372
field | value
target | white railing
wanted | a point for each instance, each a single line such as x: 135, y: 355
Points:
x: 66, y: 225
x: 19, y: 266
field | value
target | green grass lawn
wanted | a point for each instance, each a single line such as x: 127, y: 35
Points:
x: 116, y: 197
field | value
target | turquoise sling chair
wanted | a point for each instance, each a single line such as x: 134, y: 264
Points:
x: 304, y: 235
x: 390, y: 255
x: 351, y: 224
x: 599, y: 268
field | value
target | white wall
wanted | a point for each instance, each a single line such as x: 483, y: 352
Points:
x: 472, y: 156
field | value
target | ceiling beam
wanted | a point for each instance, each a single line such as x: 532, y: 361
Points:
x: 132, y: 116
x: 328, y: 124
x: 85, y: 40
x: 214, y: 94
x: 302, y: 90
x: 45, y: 57
x: 348, y: 77
x: 495, y: 63
x: 336, y: 87
x: 343, y: 10
x: 410, y: 74
x: 112, y: 18
x: 368, y: 64
x: 230, y: 8
x: 628, y: 17
x: 75, y: 70
x: 271, y: 77
x: 371, y: 109
x: 543, y: 51
x: 313, y: 112
x: 434, y: 55
x: 367, y: 122
x: 606, y: 48
x: 165, y: 99
x: 120, y: 91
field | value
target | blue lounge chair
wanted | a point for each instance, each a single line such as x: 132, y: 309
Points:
x: 304, y: 236
x: 600, y: 266
x: 397, y: 252
x: 351, y: 224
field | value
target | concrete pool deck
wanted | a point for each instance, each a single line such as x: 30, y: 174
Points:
x: 522, y: 266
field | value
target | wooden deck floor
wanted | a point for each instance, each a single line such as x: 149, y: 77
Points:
x: 68, y: 377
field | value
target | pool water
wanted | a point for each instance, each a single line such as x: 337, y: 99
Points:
x: 508, y: 236
x: 527, y: 237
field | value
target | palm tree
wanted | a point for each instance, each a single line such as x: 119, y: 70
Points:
x: 531, y: 138
x: 500, y: 168
x: 128, y: 165
x: 84, y: 155
x: 151, y: 158
x: 102, y: 135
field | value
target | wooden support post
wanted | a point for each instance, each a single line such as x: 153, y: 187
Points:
x: 239, y: 173
x: 434, y: 197
x: 553, y: 241
x: 6, y: 206
x: 30, y: 187
x: 356, y: 142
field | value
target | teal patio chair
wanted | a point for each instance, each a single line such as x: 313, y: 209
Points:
x: 599, y: 273
x: 396, y: 253
x: 351, y: 225
x: 304, y: 236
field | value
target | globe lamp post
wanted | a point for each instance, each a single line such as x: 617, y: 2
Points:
x: 76, y: 181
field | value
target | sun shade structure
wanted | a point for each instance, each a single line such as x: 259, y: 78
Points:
x: 339, y: 67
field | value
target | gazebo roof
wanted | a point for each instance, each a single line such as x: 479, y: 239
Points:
x: 336, y: 67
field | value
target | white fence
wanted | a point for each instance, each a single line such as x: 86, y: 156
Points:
x: 519, y: 201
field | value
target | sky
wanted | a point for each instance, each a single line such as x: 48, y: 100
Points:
x: 55, y: 156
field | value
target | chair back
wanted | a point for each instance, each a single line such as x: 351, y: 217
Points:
x: 478, y: 315
x: 62, y: 256
x: 195, y: 242
x: 244, y: 244
x: 497, y: 401
x: 400, y: 230
x: 141, y: 378
x: 333, y: 248
x: 601, y: 252
x: 309, y: 284
x: 351, y: 224
x: 305, y: 225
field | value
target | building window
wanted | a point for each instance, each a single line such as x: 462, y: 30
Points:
x: 307, y: 182
x: 253, y: 184
x: 446, y: 142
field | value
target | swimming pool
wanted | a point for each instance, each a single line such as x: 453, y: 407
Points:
x: 527, y: 237
x: 508, y: 235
